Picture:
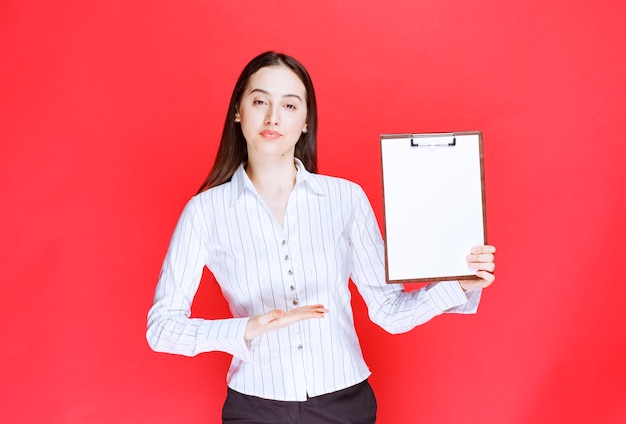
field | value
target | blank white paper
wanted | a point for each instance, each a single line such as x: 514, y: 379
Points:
x: 433, y: 202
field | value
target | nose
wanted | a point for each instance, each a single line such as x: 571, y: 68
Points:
x: 272, y: 117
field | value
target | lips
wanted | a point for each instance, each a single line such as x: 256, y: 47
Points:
x: 270, y: 134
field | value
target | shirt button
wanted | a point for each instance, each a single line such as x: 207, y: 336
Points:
x: 286, y: 257
x: 295, y: 302
x: 299, y: 346
x: 290, y: 272
x: 284, y: 242
x: 292, y: 288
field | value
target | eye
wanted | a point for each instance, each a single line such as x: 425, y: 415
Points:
x: 258, y: 102
x: 290, y: 106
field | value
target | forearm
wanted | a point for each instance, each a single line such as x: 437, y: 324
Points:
x: 173, y: 332
x: 403, y: 311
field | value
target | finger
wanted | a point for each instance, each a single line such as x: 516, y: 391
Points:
x: 304, y: 312
x: 308, y: 308
x: 483, y: 249
x: 483, y: 266
x: 311, y: 307
x: 483, y: 257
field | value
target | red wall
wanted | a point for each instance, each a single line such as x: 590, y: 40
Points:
x: 110, y: 116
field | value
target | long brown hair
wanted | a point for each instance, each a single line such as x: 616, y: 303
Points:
x: 233, y: 149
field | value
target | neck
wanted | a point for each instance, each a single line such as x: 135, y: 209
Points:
x: 272, y: 176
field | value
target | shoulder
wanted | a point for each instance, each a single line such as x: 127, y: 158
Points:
x: 338, y: 190
x: 212, y: 194
x: 214, y: 201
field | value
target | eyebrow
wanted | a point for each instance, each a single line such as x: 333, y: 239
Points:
x: 259, y: 90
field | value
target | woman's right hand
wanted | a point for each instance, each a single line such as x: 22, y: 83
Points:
x: 276, y: 319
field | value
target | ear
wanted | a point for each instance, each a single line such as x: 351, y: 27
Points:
x: 237, y: 117
x: 305, y: 129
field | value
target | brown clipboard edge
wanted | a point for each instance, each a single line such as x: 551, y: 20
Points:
x: 482, y: 190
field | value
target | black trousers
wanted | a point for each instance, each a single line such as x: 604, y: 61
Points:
x: 353, y: 405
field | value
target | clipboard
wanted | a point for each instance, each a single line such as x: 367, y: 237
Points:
x: 434, y: 204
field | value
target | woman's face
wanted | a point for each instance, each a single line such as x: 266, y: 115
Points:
x: 273, y: 112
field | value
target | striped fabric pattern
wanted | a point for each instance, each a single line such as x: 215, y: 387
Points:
x: 330, y: 235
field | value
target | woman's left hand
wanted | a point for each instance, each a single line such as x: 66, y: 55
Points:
x: 481, y: 258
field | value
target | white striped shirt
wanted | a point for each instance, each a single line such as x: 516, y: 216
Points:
x: 330, y: 235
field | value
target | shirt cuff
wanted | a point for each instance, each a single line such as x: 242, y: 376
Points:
x: 230, y: 338
x: 471, y: 306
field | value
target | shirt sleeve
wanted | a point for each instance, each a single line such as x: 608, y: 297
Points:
x: 389, y: 305
x: 170, y: 328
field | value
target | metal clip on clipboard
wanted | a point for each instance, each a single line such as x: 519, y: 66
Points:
x: 443, y: 140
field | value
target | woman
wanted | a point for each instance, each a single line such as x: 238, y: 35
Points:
x: 283, y: 242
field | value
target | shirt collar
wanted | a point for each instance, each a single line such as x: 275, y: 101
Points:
x: 240, y: 181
